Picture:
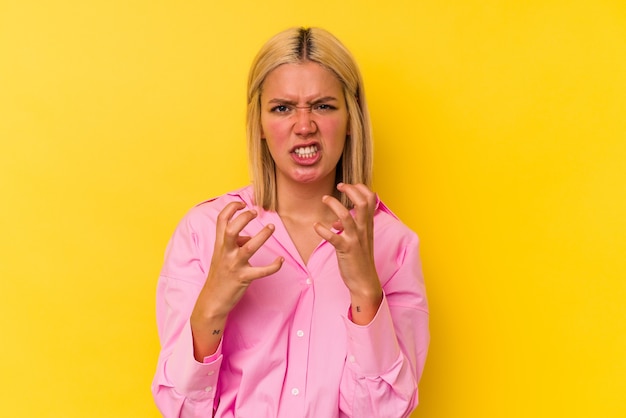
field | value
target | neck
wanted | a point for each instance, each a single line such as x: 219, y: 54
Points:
x: 304, y: 201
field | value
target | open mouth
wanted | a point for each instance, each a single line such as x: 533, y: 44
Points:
x: 306, y: 152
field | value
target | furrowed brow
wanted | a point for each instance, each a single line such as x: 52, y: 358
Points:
x: 323, y: 99
x: 278, y: 100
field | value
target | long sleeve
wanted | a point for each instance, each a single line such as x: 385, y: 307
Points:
x: 182, y: 387
x: 385, y: 358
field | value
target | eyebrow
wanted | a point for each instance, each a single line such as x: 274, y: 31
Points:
x: 310, y: 102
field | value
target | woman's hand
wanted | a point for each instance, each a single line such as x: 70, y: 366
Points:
x: 354, y: 245
x: 229, y: 276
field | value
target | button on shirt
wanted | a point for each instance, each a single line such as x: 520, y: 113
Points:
x: 289, y: 348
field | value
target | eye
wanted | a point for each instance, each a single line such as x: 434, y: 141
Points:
x: 280, y: 109
x: 323, y: 107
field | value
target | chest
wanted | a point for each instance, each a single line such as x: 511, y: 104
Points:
x: 303, y: 236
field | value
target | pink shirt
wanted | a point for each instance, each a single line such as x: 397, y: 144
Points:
x: 289, y: 348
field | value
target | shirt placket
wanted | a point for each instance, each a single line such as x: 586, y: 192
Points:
x: 294, y: 396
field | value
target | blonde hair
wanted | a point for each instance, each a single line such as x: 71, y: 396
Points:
x: 297, y: 45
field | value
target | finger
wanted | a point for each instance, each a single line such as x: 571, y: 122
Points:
x: 337, y: 225
x: 364, y: 212
x: 327, y: 234
x: 258, y: 272
x: 255, y: 242
x: 225, y: 216
x: 362, y: 198
x: 369, y: 194
x: 359, y: 194
x: 233, y: 230
x: 345, y: 218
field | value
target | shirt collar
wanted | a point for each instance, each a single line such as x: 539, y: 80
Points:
x: 246, y: 194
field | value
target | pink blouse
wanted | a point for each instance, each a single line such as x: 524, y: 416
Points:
x: 289, y: 348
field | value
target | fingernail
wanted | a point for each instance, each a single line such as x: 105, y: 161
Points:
x: 271, y: 226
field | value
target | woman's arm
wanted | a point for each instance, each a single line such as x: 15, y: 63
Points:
x: 386, y: 357
x: 192, y: 305
x: 387, y: 328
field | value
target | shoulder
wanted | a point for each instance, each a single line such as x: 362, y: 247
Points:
x: 210, y: 208
x: 396, y: 249
x: 187, y: 255
x: 195, y: 232
x: 201, y: 218
x: 387, y: 223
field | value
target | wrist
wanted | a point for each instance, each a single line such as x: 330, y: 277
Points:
x: 364, y: 307
x: 207, y: 333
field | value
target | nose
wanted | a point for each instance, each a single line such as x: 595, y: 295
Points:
x: 304, y: 124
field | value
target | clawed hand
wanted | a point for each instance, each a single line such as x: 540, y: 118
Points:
x: 354, y: 245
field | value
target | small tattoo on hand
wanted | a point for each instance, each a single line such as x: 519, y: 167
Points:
x: 358, y: 309
x: 216, y: 331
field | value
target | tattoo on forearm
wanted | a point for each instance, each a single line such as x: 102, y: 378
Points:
x: 216, y: 331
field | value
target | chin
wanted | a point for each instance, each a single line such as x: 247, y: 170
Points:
x: 306, y: 180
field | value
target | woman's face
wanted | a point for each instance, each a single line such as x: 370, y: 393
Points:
x: 304, y: 121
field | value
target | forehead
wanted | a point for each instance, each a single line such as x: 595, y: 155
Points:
x: 302, y: 80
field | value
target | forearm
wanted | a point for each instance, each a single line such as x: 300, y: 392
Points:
x: 208, y: 318
x: 206, y: 331
x: 365, y: 303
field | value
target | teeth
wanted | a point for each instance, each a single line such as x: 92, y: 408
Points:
x: 306, y: 152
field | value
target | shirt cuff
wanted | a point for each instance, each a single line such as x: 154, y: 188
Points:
x: 191, y: 378
x: 373, y: 348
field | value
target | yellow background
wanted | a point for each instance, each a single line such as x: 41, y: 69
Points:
x: 500, y: 138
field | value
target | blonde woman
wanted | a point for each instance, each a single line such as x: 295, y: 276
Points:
x: 300, y: 295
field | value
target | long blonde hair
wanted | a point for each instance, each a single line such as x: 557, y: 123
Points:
x: 297, y: 45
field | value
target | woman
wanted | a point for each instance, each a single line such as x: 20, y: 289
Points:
x: 301, y: 295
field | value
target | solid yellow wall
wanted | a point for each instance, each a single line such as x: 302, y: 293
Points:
x: 500, y: 138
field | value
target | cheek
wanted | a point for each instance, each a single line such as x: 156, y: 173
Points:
x: 274, y: 129
x: 336, y: 128
x: 276, y: 136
